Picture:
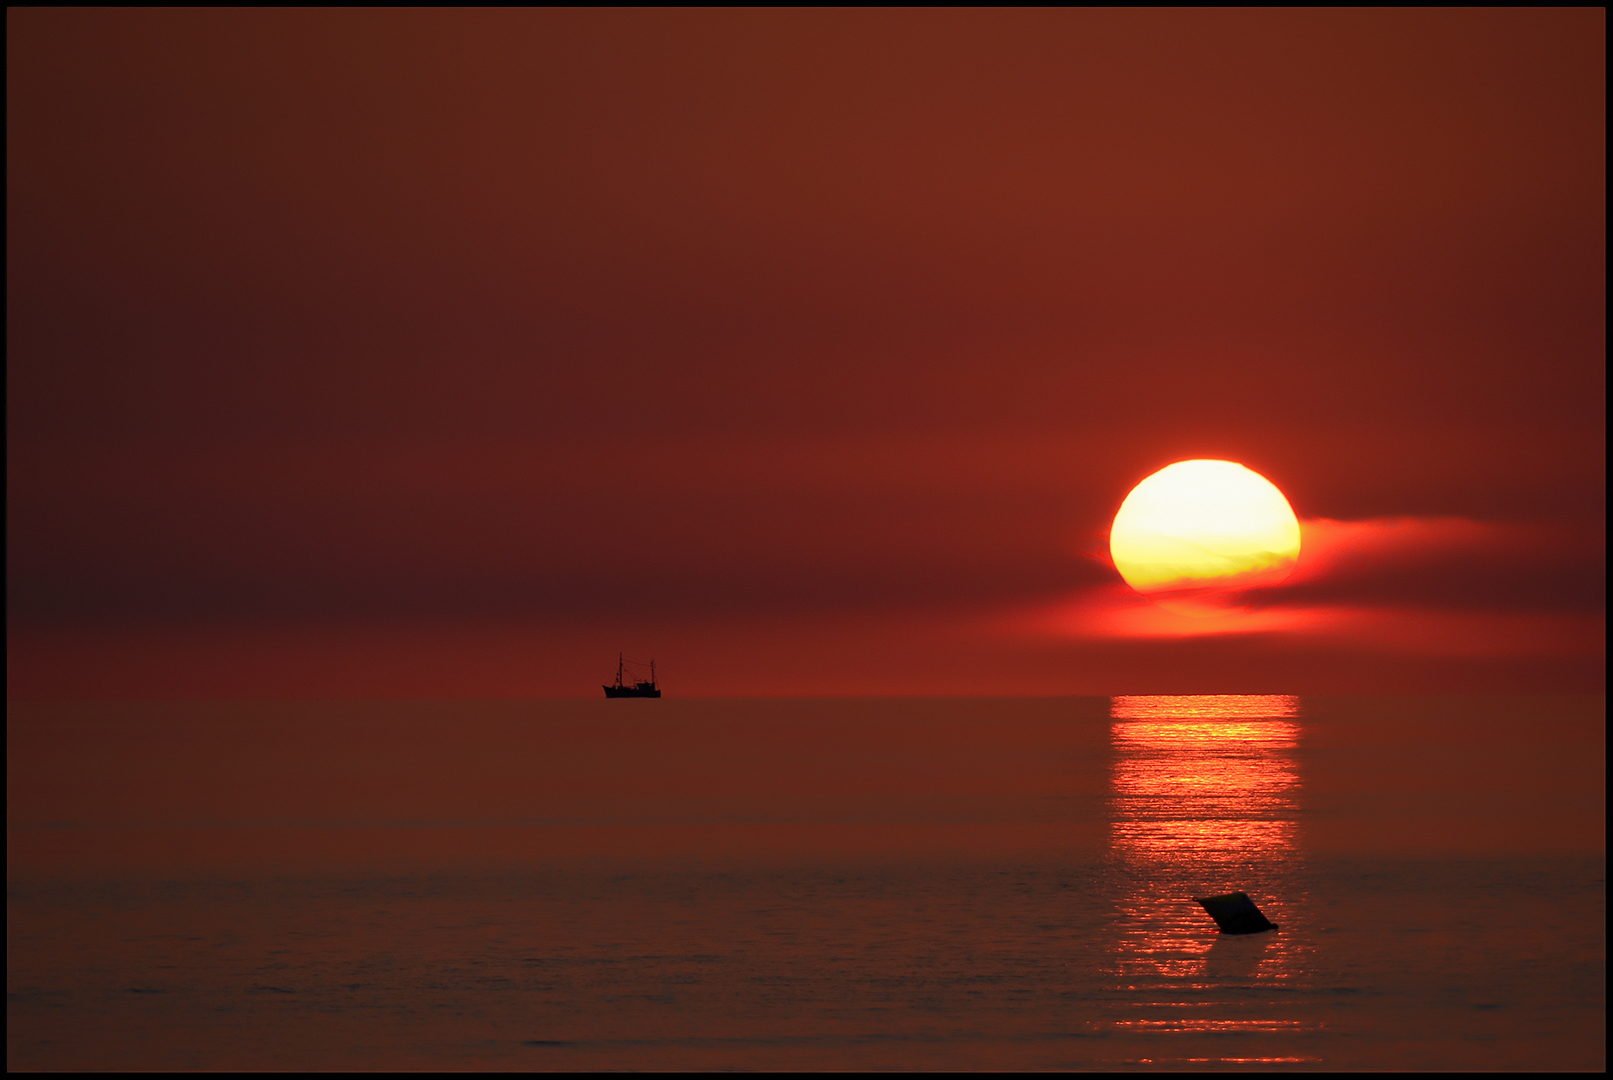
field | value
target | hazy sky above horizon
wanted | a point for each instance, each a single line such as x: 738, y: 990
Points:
x: 447, y: 353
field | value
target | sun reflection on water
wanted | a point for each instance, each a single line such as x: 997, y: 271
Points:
x: 1199, y: 778
x: 1204, y: 799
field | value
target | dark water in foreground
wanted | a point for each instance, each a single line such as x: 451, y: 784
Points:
x: 944, y: 884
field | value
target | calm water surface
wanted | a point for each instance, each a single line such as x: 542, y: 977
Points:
x: 943, y: 884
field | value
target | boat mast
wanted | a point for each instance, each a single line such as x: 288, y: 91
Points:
x: 620, y: 663
x: 652, y: 672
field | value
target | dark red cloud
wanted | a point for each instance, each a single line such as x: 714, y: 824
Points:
x: 1451, y: 564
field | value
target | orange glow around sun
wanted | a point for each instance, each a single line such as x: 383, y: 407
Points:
x: 1200, y: 526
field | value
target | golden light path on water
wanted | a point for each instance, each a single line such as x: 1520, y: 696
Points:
x: 1199, y: 778
x: 1204, y: 799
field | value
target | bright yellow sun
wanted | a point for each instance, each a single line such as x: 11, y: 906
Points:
x: 1204, y: 525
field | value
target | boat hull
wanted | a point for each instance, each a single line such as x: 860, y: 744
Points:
x: 631, y: 691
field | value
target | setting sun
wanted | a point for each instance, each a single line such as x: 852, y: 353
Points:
x: 1204, y: 525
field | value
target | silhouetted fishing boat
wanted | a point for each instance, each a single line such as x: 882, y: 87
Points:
x: 642, y: 688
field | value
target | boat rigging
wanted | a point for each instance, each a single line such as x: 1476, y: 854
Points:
x: 637, y: 688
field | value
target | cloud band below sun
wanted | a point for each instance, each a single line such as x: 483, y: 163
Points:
x: 1430, y: 586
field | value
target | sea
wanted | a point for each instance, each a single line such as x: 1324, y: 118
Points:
x: 789, y: 884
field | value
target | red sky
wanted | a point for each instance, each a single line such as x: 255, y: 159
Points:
x: 448, y: 353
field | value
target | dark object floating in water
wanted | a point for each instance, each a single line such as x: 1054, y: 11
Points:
x: 642, y: 688
x: 1235, y: 913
